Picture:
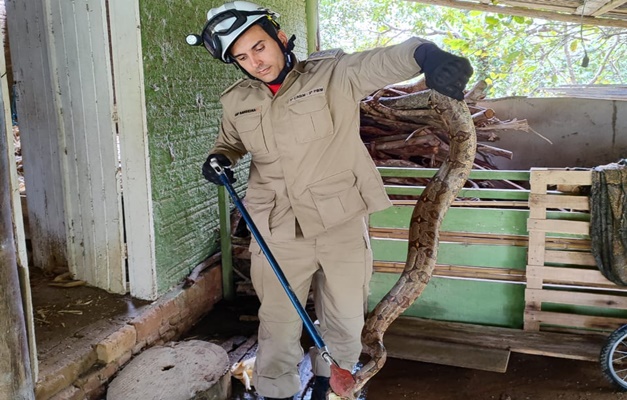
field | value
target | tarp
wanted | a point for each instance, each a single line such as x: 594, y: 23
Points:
x: 608, y: 220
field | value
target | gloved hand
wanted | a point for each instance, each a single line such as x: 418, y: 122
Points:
x: 444, y: 72
x: 211, y: 175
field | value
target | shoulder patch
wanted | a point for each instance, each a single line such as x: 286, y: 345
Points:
x: 232, y: 86
x: 325, y: 54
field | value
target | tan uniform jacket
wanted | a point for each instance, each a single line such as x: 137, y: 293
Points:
x: 308, y: 160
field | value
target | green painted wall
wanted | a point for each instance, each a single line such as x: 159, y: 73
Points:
x: 183, y: 85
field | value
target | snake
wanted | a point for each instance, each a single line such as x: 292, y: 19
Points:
x: 424, y: 227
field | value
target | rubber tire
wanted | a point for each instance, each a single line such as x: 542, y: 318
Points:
x: 617, y: 340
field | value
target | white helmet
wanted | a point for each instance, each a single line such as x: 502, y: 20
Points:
x: 227, y: 22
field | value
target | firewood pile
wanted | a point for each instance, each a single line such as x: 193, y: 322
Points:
x: 400, y: 129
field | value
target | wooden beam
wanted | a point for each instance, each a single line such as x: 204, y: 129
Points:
x: 601, y: 300
x: 458, y: 271
x: 589, y: 7
x: 128, y: 69
x: 15, y: 364
x: 555, y: 201
x: 612, y: 5
x: 556, y: 226
x: 539, y: 6
x: 570, y: 346
x: 468, y: 355
x: 575, y: 320
x: 554, y: 16
x: 591, y: 278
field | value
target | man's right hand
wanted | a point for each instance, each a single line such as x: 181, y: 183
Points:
x: 211, y: 175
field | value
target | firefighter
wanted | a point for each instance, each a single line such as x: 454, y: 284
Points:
x: 312, y: 183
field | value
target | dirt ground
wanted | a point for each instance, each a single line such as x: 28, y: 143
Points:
x: 66, y: 312
x: 528, y: 377
x: 64, y: 315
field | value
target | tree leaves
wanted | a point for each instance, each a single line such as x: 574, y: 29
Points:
x: 517, y: 54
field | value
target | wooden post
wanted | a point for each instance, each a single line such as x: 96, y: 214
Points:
x: 228, y: 290
x: 15, y: 371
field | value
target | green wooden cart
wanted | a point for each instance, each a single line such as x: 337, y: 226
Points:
x: 514, y: 273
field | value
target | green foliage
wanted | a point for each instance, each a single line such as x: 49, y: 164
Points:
x: 516, y: 55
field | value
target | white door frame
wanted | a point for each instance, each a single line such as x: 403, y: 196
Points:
x: 128, y: 72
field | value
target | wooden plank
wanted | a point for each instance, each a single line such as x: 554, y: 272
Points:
x: 573, y: 276
x: 92, y: 188
x: 457, y: 254
x: 513, y: 175
x: 36, y: 100
x: 564, y: 243
x: 471, y: 238
x: 458, y: 271
x: 575, y: 320
x: 472, y: 203
x: 562, y: 176
x: 460, y: 219
x: 468, y: 238
x: 556, y: 201
x: 569, y: 257
x: 501, y: 194
x: 528, y: 12
x: 555, y: 226
x: 17, y: 215
x: 224, y: 206
x: 126, y: 55
x: 576, y: 298
x: 570, y: 346
x: 244, y: 350
x: 536, y: 250
x: 453, y: 354
x: 88, y: 137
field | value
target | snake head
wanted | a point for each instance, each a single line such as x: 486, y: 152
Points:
x: 342, y: 382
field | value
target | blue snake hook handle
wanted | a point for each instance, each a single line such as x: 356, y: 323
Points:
x: 309, y: 325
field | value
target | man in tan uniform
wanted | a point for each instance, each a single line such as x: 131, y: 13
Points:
x: 312, y: 183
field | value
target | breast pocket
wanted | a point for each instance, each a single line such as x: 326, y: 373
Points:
x: 337, y: 199
x: 311, y: 119
x: 250, y: 131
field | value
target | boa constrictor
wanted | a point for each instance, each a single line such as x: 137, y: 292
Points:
x: 424, y: 228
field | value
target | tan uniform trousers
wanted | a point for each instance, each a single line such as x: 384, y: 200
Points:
x: 339, y: 264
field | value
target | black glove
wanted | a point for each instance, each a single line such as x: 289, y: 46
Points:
x: 444, y: 72
x: 211, y: 175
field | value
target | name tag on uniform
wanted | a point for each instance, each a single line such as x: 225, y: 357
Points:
x: 306, y: 94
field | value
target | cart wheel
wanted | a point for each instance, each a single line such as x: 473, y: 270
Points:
x: 614, y: 357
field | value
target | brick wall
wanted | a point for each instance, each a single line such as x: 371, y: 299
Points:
x: 182, y: 89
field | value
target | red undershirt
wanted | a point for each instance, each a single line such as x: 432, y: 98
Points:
x: 274, y: 88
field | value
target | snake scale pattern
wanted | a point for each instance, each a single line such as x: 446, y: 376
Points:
x: 424, y: 229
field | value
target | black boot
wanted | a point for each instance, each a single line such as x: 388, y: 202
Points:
x: 320, y: 388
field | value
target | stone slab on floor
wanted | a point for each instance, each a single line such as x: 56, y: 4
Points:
x: 190, y: 370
